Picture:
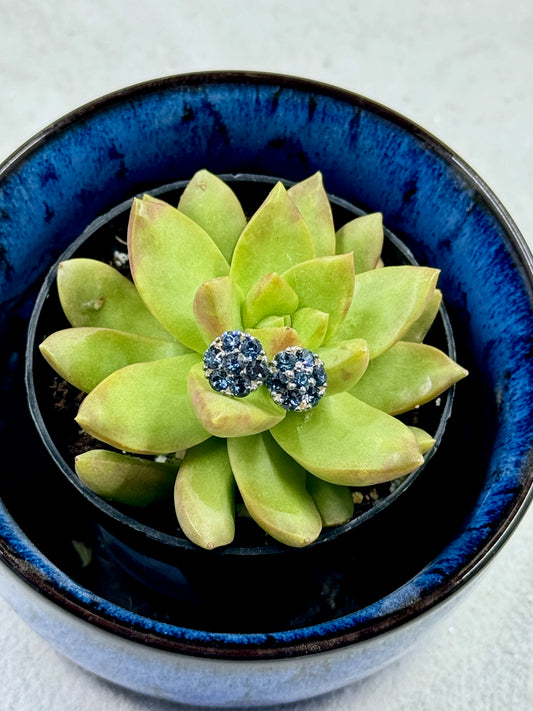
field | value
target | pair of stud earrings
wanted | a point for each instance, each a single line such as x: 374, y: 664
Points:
x: 235, y: 364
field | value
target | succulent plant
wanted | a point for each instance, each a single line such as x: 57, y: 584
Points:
x: 268, y: 356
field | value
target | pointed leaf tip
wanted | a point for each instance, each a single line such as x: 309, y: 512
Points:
x: 204, y: 495
x: 275, y: 238
x: 407, y: 375
x: 213, y: 205
x: 311, y: 199
x: 424, y: 439
x: 363, y: 237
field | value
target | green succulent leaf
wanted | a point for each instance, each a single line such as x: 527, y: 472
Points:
x: 276, y: 339
x: 204, y: 495
x: 345, y: 363
x: 312, y: 326
x: 418, y: 331
x: 217, y: 307
x: 128, y: 480
x: 424, y: 439
x: 225, y: 416
x: 334, y: 502
x: 170, y: 257
x: 364, y: 237
x: 407, y: 375
x: 213, y: 205
x: 273, y: 322
x: 271, y: 295
x: 145, y: 408
x: 324, y: 283
x: 275, y: 238
x: 386, y: 302
x: 312, y: 201
x: 273, y: 488
x: 153, y: 198
x: 85, y: 356
x: 95, y: 294
x: 345, y: 441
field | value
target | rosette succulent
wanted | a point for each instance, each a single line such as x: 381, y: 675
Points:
x: 261, y: 359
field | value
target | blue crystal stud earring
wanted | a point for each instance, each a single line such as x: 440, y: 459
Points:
x: 297, y: 379
x: 235, y: 364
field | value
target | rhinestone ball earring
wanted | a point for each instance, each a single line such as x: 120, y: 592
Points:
x: 235, y: 364
x: 297, y: 379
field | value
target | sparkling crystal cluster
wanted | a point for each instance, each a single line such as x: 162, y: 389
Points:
x: 235, y: 364
x: 297, y: 379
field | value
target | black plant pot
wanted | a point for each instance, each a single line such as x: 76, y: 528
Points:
x: 226, y: 587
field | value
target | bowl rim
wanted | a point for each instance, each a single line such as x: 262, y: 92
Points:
x: 29, y: 564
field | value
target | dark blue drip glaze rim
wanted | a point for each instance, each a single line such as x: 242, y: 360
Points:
x: 162, y: 131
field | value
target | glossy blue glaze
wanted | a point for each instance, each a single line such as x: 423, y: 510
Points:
x: 162, y: 132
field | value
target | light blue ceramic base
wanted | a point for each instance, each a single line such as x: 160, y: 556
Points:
x: 211, y: 682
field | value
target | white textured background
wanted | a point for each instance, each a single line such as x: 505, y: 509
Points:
x: 461, y: 69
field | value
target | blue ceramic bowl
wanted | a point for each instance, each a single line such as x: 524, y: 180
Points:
x: 386, y: 586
